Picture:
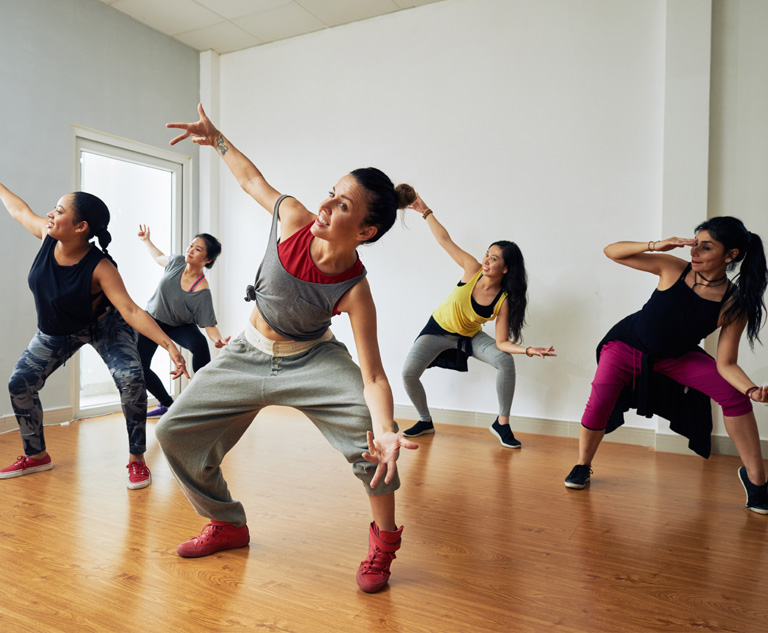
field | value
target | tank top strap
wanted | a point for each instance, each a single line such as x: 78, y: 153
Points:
x: 686, y: 270
x: 194, y: 285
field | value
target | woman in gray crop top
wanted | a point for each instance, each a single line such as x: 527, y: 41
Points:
x: 80, y: 299
x: 288, y: 356
x: 181, y: 304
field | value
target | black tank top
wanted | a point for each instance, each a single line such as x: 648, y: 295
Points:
x: 675, y: 320
x: 63, y: 293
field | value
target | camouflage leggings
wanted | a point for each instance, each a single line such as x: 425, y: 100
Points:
x: 115, y: 342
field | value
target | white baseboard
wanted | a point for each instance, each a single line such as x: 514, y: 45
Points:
x: 50, y: 416
x: 661, y: 442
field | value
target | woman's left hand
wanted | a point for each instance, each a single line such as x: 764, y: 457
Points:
x: 384, y: 451
x: 542, y: 352
x: 178, y: 360
x: 219, y: 342
x: 759, y: 395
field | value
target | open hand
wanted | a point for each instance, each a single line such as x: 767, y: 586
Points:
x: 202, y: 132
x: 542, y: 352
x: 672, y: 243
x: 219, y: 343
x: 384, y: 451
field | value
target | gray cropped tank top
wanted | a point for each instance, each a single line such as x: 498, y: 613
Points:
x: 298, y: 310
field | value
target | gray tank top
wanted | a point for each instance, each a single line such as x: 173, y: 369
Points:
x: 296, y: 309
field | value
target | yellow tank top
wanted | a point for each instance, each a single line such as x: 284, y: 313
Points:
x: 456, y: 314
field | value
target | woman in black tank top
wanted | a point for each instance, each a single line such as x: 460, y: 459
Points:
x: 651, y: 360
x: 80, y: 298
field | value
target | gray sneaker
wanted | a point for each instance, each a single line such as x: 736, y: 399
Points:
x: 579, y: 477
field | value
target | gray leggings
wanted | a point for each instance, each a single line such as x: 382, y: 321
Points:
x: 214, y: 411
x: 429, y: 346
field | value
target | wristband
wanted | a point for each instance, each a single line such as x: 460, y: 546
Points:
x: 749, y: 391
x: 426, y: 213
x: 528, y: 352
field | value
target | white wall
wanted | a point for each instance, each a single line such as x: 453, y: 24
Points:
x: 739, y: 141
x: 64, y: 63
x: 537, y: 122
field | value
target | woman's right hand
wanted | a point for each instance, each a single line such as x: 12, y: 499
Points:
x: 143, y: 232
x: 671, y: 243
x: 202, y: 132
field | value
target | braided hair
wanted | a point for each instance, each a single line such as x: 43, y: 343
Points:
x: 91, y: 209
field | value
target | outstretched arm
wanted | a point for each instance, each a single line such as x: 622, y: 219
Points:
x: 383, y: 444
x: 213, y: 333
x: 468, y: 263
x: 154, y: 252
x: 505, y: 345
x: 728, y: 362
x: 20, y: 211
x: 110, y: 281
x: 204, y: 132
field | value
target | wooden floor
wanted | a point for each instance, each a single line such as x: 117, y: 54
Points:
x: 493, y: 541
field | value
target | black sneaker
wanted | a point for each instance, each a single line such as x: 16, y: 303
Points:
x: 505, y: 435
x: 579, y: 477
x: 420, y: 428
x: 757, y: 496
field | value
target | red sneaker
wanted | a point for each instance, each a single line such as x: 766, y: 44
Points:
x: 138, y: 475
x: 26, y: 466
x: 216, y: 536
x: 373, y: 572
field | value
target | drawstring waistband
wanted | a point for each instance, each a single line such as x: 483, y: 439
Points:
x: 281, y: 348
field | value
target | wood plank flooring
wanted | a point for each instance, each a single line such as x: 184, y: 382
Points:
x: 493, y: 541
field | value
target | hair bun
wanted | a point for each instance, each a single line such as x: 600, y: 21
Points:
x: 406, y: 195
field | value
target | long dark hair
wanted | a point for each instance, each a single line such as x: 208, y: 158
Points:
x: 515, y: 284
x: 91, y: 209
x: 384, y: 199
x: 752, y: 278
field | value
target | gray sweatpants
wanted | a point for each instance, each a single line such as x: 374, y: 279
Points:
x: 218, y: 406
x: 429, y: 346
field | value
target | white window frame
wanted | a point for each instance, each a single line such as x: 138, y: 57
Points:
x: 181, y: 224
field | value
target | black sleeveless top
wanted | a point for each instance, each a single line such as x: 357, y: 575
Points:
x: 63, y: 293
x: 672, y: 322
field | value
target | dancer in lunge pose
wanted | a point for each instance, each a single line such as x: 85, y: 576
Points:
x: 181, y: 304
x: 651, y: 360
x: 288, y: 356
x: 80, y: 298
x: 494, y: 289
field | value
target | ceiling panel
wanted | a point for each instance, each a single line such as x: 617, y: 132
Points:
x: 226, y: 26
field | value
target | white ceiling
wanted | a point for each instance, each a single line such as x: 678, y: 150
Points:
x: 231, y: 25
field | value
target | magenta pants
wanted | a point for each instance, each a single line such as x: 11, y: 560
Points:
x: 619, y: 366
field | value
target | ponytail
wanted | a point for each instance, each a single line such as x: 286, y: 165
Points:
x: 91, y: 209
x: 751, y: 280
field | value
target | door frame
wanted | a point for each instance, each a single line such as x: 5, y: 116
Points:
x: 181, y: 224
